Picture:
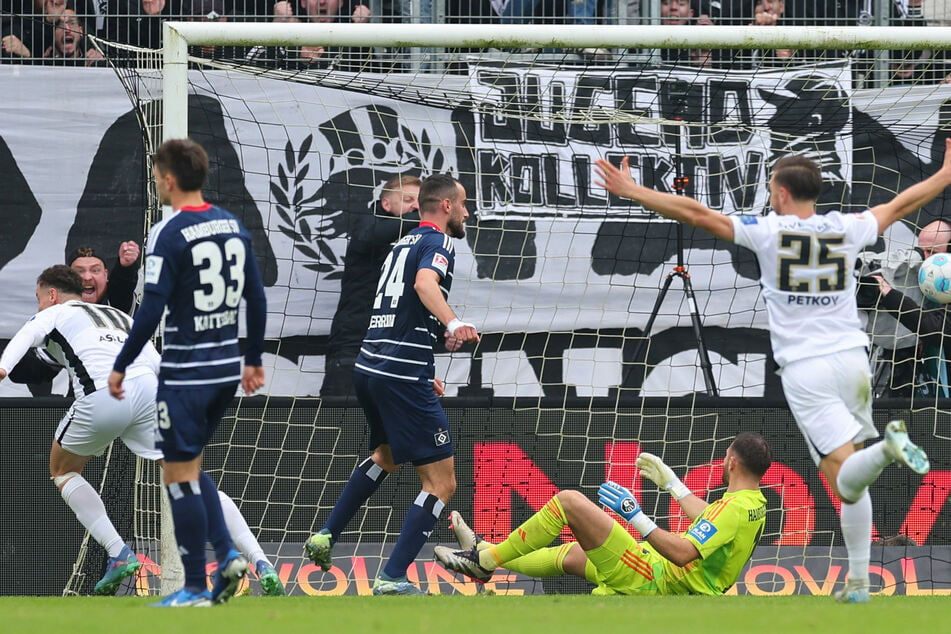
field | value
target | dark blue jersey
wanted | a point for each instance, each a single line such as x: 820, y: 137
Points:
x: 401, y: 333
x: 199, y: 264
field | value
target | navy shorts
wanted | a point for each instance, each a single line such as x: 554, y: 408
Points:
x: 406, y: 416
x: 187, y: 419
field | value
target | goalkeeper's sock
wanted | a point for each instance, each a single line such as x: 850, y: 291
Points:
x: 856, y: 523
x: 419, y: 523
x: 860, y: 470
x: 241, y: 534
x: 217, y: 529
x: 363, y: 482
x: 545, y: 562
x: 91, y: 513
x: 537, y: 532
x: 191, y: 531
x: 590, y: 572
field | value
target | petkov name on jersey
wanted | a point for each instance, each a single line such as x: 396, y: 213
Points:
x: 812, y: 300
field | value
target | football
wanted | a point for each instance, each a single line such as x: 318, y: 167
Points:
x: 934, y: 278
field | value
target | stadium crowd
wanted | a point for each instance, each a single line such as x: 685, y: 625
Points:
x: 55, y: 31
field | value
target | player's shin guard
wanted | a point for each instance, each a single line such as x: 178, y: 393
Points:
x: 218, y: 533
x: 241, y: 535
x: 91, y: 513
x: 537, y: 532
x: 363, y: 483
x: 856, y: 522
x: 191, y: 531
x: 419, y: 523
x: 545, y: 562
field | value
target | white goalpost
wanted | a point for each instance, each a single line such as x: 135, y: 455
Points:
x: 584, y: 362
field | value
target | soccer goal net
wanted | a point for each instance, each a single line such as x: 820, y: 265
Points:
x: 606, y: 330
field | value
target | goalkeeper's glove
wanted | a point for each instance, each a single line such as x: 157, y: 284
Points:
x: 661, y: 475
x: 623, y: 502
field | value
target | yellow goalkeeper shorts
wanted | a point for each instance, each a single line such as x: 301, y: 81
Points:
x: 624, y: 566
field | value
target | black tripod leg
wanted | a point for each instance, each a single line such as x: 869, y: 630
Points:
x: 647, y: 331
x: 705, y: 364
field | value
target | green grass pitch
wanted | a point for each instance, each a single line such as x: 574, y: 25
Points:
x: 482, y: 614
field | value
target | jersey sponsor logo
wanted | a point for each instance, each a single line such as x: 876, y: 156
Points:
x: 441, y: 263
x: 153, y: 269
x: 748, y: 220
x: 382, y: 321
x: 441, y: 437
x: 702, y: 531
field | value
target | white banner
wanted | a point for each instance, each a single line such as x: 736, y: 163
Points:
x: 299, y: 161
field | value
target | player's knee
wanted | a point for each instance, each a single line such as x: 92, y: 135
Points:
x: 571, y: 499
x: 61, y: 480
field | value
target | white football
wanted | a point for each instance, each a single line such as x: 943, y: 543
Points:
x: 934, y: 278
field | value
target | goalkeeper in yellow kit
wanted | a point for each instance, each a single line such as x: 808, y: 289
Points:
x: 706, y: 559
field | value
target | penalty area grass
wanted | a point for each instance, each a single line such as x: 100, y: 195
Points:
x: 478, y: 614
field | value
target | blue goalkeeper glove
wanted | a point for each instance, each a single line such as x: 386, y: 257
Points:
x: 623, y: 502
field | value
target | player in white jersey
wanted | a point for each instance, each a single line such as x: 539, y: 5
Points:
x: 818, y: 343
x: 85, y: 339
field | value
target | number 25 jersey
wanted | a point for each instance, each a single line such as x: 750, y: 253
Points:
x: 806, y: 273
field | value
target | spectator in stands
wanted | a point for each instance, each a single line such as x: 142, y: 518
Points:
x: 770, y: 13
x: 680, y: 13
x: 324, y: 11
x: 115, y: 287
x: 137, y: 22
x: 545, y: 11
x: 210, y: 11
x: 69, y: 41
x: 371, y: 238
x: 918, y: 365
x: 274, y: 56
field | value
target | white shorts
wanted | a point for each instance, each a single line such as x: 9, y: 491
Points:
x: 94, y: 421
x: 831, y: 399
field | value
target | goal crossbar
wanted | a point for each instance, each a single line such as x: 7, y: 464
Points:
x: 179, y: 35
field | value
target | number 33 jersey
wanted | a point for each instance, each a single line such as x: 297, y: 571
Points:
x: 198, y: 260
x: 806, y: 274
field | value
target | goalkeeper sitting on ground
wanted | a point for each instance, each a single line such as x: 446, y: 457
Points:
x: 706, y: 559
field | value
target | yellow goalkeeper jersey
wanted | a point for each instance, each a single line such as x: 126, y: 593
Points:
x: 725, y: 534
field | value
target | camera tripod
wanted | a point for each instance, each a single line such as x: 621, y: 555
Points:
x: 680, y: 272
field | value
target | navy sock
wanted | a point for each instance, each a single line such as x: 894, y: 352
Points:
x: 218, y: 533
x: 363, y: 482
x: 419, y: 523
x: 191, y: 528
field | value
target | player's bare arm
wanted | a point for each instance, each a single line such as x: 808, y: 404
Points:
x: 680, y: 208
x: 915, y: 196
x: 427, y: 287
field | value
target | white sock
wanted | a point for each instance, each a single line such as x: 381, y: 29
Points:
x: 856, y: 522
x: 241, y: 534
x: 91, y: 513
x: 861, y: 469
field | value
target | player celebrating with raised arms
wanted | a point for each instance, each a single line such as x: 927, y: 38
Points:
x: 706, y: 559
x: 199, y: 263
x: 818, y: 342
x: 394, y: 378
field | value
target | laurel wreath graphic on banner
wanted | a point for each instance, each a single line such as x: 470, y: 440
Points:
x: 361, y: 164
x: 294, y: 208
